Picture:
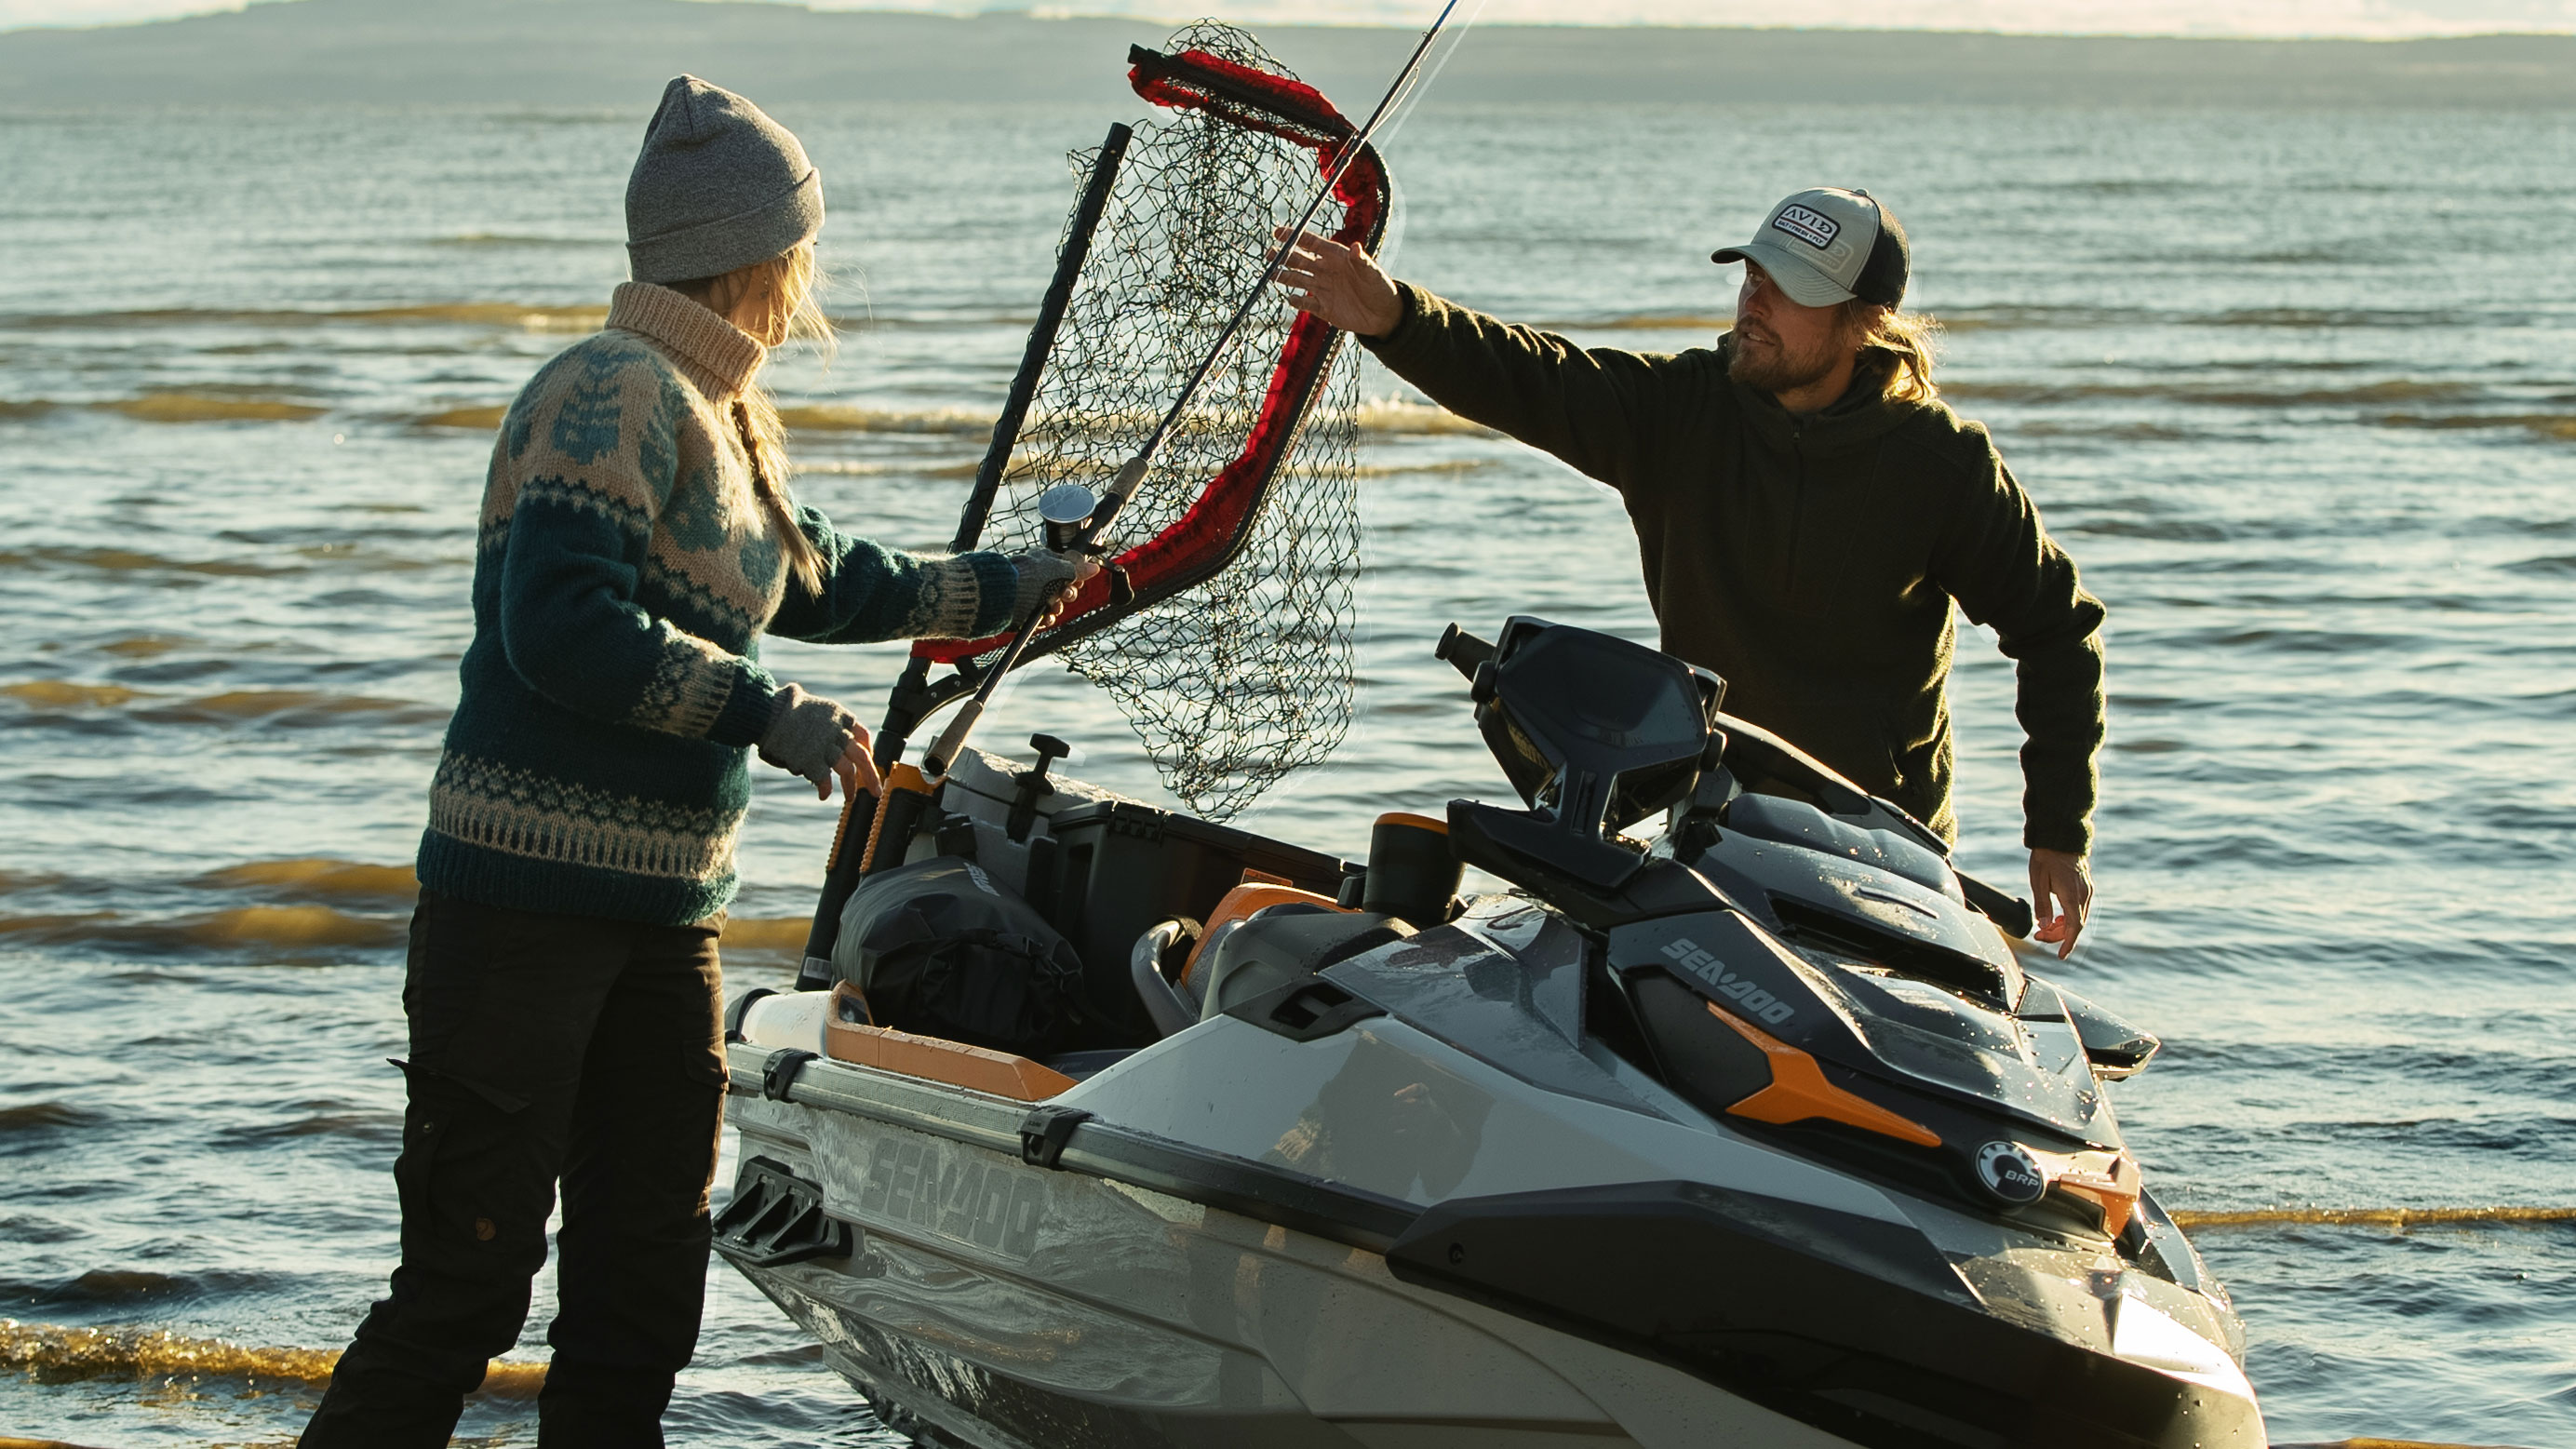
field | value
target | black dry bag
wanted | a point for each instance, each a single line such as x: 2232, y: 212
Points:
x: 942, y: 949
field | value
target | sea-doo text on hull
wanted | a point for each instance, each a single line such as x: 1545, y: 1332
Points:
x: 1752, y: 1133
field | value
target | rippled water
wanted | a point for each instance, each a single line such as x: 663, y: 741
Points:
x: 2299, y: 393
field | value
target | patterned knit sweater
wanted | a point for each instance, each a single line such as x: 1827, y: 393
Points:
x: 624, y: 573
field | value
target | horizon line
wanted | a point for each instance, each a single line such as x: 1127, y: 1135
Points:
x: 1050, y: 13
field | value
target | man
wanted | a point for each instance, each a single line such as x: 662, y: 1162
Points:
x: 1807, y: 508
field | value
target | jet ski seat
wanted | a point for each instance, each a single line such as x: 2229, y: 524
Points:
x: 1795, y: 822
x: 1284, y: 944
x: 1246, y: 954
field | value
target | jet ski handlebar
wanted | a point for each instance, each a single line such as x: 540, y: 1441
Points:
x: 1464, y: 651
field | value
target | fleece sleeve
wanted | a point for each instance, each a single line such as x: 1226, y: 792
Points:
x: 1599, y: 409
x: 1996, y: 559
x: 871, y: 592
x: 590, y: 452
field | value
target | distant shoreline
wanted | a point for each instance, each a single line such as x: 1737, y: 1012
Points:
x: 549, y: 54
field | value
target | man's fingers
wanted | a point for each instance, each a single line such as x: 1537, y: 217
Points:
x: 2061, y: 896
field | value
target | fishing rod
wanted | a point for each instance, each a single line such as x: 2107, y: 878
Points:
x: 1081, y: 531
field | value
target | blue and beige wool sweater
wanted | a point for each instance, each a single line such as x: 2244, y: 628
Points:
x: 624, y: 573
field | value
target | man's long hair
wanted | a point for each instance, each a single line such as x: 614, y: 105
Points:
x: 1912, y: 341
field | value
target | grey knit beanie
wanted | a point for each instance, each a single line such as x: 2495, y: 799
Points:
x: 718, y: 186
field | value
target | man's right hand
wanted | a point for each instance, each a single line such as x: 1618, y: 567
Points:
x: 1341, y: 284
x: 2061, y: 898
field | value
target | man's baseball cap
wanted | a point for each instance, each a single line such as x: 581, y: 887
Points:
x: 1827, y: 246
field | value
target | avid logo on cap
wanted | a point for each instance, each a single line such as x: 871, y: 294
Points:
x: 1812, y: 227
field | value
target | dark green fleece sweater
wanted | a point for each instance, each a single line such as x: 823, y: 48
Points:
x: 1810, y: 561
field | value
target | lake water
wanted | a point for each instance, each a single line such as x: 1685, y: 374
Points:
x: 2298, y: 391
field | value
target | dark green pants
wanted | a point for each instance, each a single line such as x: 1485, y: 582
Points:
x: 544, y: 1047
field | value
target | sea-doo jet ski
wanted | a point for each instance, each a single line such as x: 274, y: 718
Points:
x: 1752, y: 1131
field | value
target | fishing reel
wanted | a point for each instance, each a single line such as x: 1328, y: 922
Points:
x: 1066, y: 511
x: 1074, y: 517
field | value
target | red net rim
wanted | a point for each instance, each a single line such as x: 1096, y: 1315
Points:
x: 1199, y: 542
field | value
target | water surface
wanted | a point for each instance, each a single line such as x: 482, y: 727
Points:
x: 2296, y: 391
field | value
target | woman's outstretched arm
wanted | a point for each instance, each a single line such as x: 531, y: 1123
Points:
x: 871, y: 592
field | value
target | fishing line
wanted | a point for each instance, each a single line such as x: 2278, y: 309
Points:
x: 1461, y: 21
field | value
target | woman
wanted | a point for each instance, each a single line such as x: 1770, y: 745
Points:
x: 563, y: 988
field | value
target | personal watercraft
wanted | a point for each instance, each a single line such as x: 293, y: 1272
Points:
x: 1751, y: 1132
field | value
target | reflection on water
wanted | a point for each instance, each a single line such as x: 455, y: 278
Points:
x: 2328, y: 489
x: 56, y: 1355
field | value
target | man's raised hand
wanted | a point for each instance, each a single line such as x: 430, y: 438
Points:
x: 1341, y: 284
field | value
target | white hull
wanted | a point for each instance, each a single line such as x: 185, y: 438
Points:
x: 1012, y: 1307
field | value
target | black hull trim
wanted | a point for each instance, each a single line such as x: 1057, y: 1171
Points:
x: 1855, y: 1326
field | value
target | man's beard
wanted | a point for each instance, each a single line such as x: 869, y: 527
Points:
x: 1779, y: 370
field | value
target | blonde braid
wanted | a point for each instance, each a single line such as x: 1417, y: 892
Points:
x: 764, y: 441
x: 774, y: 301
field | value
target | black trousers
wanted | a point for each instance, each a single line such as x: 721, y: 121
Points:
x: 544, y: 1047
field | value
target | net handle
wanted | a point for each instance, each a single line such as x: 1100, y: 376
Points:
x: 912, y: 699
x: 1059, y: 296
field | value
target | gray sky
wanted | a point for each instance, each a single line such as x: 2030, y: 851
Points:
x: 2380, y: 19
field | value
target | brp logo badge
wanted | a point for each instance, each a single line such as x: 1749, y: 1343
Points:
x: 2009, y: 1173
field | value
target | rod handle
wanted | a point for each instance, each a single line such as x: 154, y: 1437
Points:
x: 943, y: 751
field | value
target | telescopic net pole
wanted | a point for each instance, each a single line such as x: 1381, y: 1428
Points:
x: 910, y: 698
x: 905, y: 706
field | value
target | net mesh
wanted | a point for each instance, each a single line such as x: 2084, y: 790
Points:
x: 1238, y: 680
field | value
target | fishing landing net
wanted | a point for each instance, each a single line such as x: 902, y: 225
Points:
x: 1225, y: 635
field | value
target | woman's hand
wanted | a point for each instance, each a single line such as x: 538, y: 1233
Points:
x: 1341, y: 284
x: 2060, y: 877
x: 814, y: 737
x: 1052, y: 578
x: 1085, y: 571
x: 857, y: 768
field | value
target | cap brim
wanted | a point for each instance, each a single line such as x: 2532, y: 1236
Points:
x: 1797, y: 278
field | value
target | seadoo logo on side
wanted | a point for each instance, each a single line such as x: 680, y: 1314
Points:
x: 2009, y: 1173
x: 1812, y: 227
x: 1756, y: 1002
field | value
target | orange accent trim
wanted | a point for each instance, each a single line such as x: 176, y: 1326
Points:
x: 906, y: 778
x: 1799, y: 1093
x: 939, y: 1060
x: 1242, y: 901
x: 1418, y: 822
x: 2107, y: 1180
x: 1263, y: 877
